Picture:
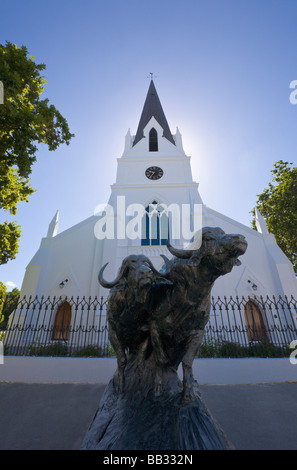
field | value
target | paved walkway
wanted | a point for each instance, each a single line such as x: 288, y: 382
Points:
x: 57, y: 416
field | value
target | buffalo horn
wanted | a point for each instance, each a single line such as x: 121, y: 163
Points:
x: 104, y: 283
x: 166, y: 260
x: 157, y: 272
x: 183, y: 254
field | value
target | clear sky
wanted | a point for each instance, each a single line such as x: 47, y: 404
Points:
x: 223, y: 70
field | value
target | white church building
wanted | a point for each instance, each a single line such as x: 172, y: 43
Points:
x: 153, y: 172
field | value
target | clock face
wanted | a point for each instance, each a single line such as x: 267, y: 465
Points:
x: 154, y: 173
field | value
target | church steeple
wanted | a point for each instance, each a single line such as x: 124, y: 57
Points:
x: 153, y: 108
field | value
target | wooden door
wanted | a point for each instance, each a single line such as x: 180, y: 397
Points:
x: 254, y: 321
x: 62, y: 322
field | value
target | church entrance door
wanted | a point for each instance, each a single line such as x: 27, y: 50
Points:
x: 254, y: 321
x: 61, y: 327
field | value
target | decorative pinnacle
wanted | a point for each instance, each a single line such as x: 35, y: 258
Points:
x: 152, y: 76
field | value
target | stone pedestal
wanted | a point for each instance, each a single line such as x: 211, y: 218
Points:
x: 151, y: 414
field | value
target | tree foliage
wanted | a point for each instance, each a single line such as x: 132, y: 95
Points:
x: 8, y: 303
x: 10, y: 234
x: 25, y: 121
x: 278, y: 205
x: 2, y: 298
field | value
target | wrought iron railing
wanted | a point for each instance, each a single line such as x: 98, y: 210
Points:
x: 238, y: 327
x: 57, y: 326
x: 250, y: 327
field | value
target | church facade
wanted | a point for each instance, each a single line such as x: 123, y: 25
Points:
x: 154, y: 173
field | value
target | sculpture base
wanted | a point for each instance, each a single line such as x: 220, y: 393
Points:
x: 139, y: 420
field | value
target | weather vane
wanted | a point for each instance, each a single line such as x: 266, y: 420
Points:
x: 152, y: 76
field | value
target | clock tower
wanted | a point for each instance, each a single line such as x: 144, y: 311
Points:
x: 154, y: 172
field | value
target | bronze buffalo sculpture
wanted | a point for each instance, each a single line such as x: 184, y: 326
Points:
x: 193, y: 273
x: 156, y: 322
x: 164, y: 315
x: 129, y: 306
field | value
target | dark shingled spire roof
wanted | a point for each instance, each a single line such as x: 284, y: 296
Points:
x: 152, y: 107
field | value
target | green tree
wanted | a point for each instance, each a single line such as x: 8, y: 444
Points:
x: 278, y: 205
x: 10, y: 234
x: 25, y: 121
x: 2, y: 297
x: 8, y: 303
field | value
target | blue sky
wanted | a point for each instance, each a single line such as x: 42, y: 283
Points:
x: 223, y: 70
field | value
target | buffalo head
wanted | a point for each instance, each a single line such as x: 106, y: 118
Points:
x: 218, y: 251
x: 136, y: 272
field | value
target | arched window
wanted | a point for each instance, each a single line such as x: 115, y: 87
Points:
x: 154, y: 225
x: 62, y: 321
x: 256, y: 330
x: 153, y: 140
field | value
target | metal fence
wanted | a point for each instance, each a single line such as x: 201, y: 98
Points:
x: 250, y: 327
x: 57, y: 327
x: 238, y: 327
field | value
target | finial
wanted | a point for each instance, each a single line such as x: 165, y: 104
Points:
x: 152, y: 76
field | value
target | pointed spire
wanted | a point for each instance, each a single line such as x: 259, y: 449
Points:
x: 53, y: 226
x: 128, y: 140
x: 153, y: 108
x: 178, y: 139
x: 260, y: 222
